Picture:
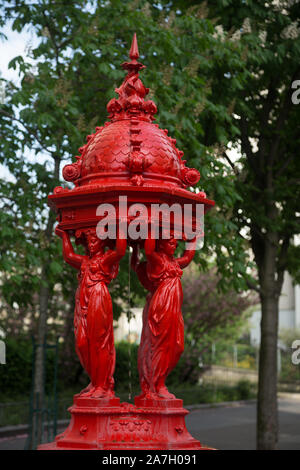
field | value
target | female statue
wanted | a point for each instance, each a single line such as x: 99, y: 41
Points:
x: 144, y: 351
x: 162, y: 341
x: 93, y: 316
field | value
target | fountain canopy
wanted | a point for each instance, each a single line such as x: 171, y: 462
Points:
x: 129, y: 156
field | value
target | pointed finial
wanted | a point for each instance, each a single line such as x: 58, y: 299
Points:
x: 131, y: 102
x: 134, y: 50
x: 133, y: 66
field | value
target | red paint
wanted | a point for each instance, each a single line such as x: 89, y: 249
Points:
x: 93, y: 316
x: 128, y: 156
x: 107, y: 425
x: 162, y: 341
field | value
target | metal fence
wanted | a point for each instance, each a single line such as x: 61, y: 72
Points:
x: 14, y: 413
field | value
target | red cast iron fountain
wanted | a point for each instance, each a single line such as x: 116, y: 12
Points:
x: 131, y: 157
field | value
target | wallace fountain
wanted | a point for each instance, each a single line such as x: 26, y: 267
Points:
x: 129, y: 159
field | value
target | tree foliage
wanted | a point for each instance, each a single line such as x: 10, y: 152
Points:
x: 209, y: 314
x: 66, y: 81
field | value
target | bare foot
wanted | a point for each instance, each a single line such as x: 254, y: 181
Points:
x: 145, y: 395
x: 99, y: 392
x: 86, y: 389
x: 89, y: 392
x: 163, y: 392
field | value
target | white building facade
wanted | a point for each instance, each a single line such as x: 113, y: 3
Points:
x: 289, y: 310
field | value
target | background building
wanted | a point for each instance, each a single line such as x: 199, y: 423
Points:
x: 289, y: 310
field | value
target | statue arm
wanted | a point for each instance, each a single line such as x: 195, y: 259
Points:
x: 150, y: 252
x: 114, y: 256
x: 143, y: 277
x: 188, y: 255
x: 68, y: 251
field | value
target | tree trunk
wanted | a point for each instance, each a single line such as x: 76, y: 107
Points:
x: 267, y: 419
x: 39, y: 366
x: 267, y: 414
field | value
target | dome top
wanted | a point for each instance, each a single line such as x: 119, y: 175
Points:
x: 129, y: 149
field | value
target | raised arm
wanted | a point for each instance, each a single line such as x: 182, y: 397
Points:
x: 150, y: 252
x: 114, y: 256
x: 188, y: 255
x: 68, y: 251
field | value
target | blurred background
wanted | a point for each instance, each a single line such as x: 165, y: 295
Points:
x: 225, y: 76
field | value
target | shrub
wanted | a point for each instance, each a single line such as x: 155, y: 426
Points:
x: 16, y: 374
x: 244, y: 390
x: 126, y: 366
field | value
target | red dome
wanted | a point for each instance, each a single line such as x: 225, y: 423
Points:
x: 129, y: 156
x: 130, y: 149
x: 109, y: 152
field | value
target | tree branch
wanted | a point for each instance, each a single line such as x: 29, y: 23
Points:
x: 236, y: 171
x: 268, y: 105
x: 253, y: 286
x: 284, y: 166
x: 283, y: 114
x: 28, y: 129
x: 246, y: 147
x: 281, y: 264
x: 52, y: 37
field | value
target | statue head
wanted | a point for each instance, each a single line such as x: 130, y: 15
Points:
x: 89, y: 239
x: 167, y: 246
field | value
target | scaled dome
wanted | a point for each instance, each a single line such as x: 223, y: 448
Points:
x: 129, y: 157
x: 130, y: 149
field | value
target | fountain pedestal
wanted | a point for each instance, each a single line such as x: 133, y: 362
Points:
x: 98, y: 424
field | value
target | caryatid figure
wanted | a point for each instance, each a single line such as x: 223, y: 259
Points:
x: 93, y: 316
x: 162, y: 340
x: 144, y: 350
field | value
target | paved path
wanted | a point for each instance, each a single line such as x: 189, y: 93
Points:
x: 228, y: 427
x: 235, y: 427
